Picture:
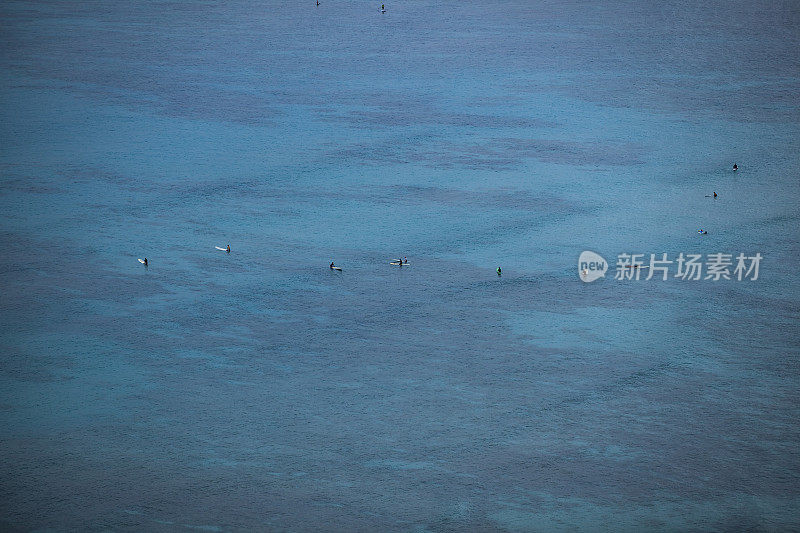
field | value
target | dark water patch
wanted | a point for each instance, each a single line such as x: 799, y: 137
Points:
x: 763, y: 100
x: 77, y: 177
x: 46, y: 280
x: 482, y: 199
x: 129, y: 61
x: 391, y: 118
x: 30, y: 366
x: 574, y: 153
x: 27, y: 185
x: 497, y: 154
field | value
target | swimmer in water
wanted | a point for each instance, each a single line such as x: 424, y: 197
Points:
x: 735, y: 167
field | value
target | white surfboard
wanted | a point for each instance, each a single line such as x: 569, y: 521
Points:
x: 336, y: 268
x: 398, y: 264
x: 220, y: 248
x: 141, y: 261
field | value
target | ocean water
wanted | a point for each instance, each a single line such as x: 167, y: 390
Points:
x: 259, y: 390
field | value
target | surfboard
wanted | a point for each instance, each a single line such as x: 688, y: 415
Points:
x: 220, y: 248
x: 398, y: 264
x: 336, y: 268
x: 141, y: 261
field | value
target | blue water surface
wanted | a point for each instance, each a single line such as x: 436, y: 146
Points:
x: 259, y: 390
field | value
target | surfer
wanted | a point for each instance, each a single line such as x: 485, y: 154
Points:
x: 331, y: 265
x: 317, y: 3
x: 499, y: 272
x: 405, y: 260
x: 229, y: 249
x: 145, y: 261
x: 715, y: 194
x: 383, y: 8
x: 735, y: 167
